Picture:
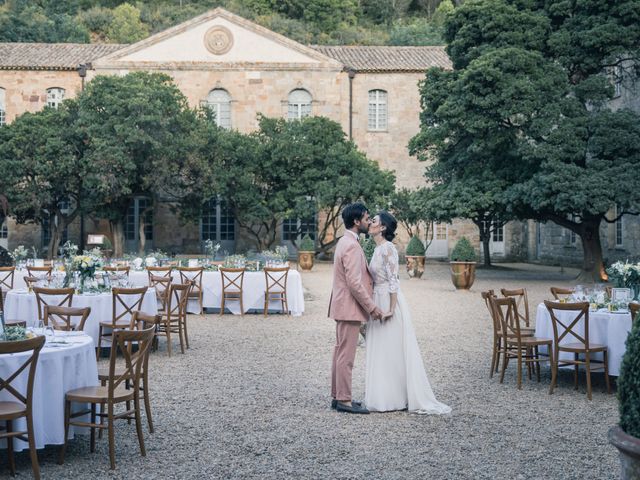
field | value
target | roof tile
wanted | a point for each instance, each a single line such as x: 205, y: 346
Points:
x: 51, y: 56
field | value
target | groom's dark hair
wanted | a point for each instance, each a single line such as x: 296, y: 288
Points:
x: 353, y: 212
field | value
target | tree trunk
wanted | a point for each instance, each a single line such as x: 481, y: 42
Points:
x: 142, y: 239
x: 485, y: 237
x: 487, y: 253
x: 117, y: 231
x: 593, y: 264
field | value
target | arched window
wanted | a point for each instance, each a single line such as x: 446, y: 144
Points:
x: 219, y: 101
x: 299, y: 104
x: 3, y: 108
x: 377, y: 110
x: 55, y: 97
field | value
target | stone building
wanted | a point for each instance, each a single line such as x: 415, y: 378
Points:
x: 240, y: 69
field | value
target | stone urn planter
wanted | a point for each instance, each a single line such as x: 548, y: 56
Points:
x: 463, y: 265
x: 629, y: 448
x: 626, y: 436
x: 415, y: 255
x: 306, y: 253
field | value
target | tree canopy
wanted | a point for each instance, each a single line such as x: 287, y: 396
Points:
x: 527, y: 106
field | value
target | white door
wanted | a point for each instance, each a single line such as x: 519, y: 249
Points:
x: 496, y: 244
x: 439, y: 247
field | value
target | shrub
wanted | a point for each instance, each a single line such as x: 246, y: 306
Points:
x: 306, y: 244
x: 463, y: 251
x: 415, y: 248
x: 629, y: 384
x: 368, y: 245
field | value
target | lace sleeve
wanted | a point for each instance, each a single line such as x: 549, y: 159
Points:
x: 390, y: 266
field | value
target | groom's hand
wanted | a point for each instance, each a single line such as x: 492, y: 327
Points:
x: 376, y: 314
x: 386, y: 316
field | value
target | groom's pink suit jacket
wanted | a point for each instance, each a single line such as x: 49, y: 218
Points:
x: 352, y: 293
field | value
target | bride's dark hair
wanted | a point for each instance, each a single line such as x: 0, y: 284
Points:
x: 390, y: 224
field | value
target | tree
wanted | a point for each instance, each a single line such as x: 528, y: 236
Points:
x: 410, y: 209
x: 133, y: 127
x: 526, y: 104
x: 44, y: 171
x: 126, y: 26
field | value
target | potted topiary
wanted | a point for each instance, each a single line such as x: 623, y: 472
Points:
x: 626, y: 436
x: 463, y: 264
x: 415, y: 255
x: 368, y: 245
x: 306, y: 252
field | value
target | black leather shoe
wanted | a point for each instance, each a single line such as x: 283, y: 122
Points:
x: 353, y: 408
x: 334, y: 403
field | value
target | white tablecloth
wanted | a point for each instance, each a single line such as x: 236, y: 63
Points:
x: 253, y: 288
x: 605, y: 328
x: 59, y: 370
x: 20, y: 305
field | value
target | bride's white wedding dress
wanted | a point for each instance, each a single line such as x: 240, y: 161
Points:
x: 395, y: 374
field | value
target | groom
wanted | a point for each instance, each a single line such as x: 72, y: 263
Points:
x: 351, y: 304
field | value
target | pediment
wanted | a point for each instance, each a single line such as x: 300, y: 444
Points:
x: 218, y: 40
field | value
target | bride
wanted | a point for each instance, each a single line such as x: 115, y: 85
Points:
x: 395, y: 375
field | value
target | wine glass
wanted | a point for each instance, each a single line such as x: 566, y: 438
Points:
x: 49, y: 333
x: 39, y: 328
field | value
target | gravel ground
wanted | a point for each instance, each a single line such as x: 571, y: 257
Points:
x: 250, y: 399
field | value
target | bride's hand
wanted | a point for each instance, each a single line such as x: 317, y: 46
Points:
x: 386, y: 316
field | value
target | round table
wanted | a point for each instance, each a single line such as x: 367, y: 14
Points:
x: 21, y: 305
x: 605, y: 328
x: 253, y: 289
x: 61, y: 367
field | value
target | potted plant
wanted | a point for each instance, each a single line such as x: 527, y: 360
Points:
x: 306, y: 252
x: 626, y: 436
x: 415, y: 255
x: 463, y: 264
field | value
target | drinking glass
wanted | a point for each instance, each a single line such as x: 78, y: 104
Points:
x: 39, y: 330
x: 50, y: 333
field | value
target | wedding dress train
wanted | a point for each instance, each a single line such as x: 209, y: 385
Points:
x: 395, y: 375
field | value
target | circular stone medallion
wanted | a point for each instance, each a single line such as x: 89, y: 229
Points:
x: 218, y: 40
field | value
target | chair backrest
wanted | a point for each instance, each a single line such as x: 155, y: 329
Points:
x: 60, y: 317
x: 276, y: 279
x: 142, y: 321
x: 161, y: 284
x: 34, y: 345
x: 134, y: 362
x: 6, y: 277
x: 31, y: 281
x: 558, y: 292
x: 522, y: 302
x: 159, y: 272
x: 42, y: 272
x: 506, y: 311
x: 563, y: 328
x: 193, y: 275
x: 1, y: 300
x: 232, y: 279
x: 488, y: 297
x: 117, y: 269
x: 177, y: 299
x: 634, y: 308
x: 63, y: 297
x: 125, y: 301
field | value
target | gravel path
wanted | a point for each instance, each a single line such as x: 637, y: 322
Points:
x: 250, y: 399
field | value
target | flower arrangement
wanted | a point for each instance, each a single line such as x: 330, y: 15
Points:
x: 235, y: 261
x: 154, y: 258
x: 15, y: 333
x: 282, y: 253
x: 624, y: 274
x: 69, y: 250
x: 20, y: 254
x: 211, y: 249
x: 87, y: 264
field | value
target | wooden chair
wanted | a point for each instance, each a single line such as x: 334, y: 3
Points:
x: 608, y: 290
x: 42, y: 272
x: 15, y: 323
x: 43, y: 297
x: 31, y: 281
x: 522, y: 302
x: 161, y: 285
x: 561, y: 329
x: 139, y: 321
x: 522, y: 348
x: 159, y: 272
x: 125, y: 301
x: 117, y: 269
x: 558, y: 292
x: 276, y: 281
x: 1, y: 300
x: 60, y: 317
x: 114, y: 392
x: 496, y: 347
x: 11, y: 410
x: 193, y: 275
x: 634, y: 308
x: 232, y: 280
x: 6, y: 277
x: 174, y: 317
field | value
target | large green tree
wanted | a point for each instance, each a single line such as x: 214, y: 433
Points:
x: 527, y: 104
